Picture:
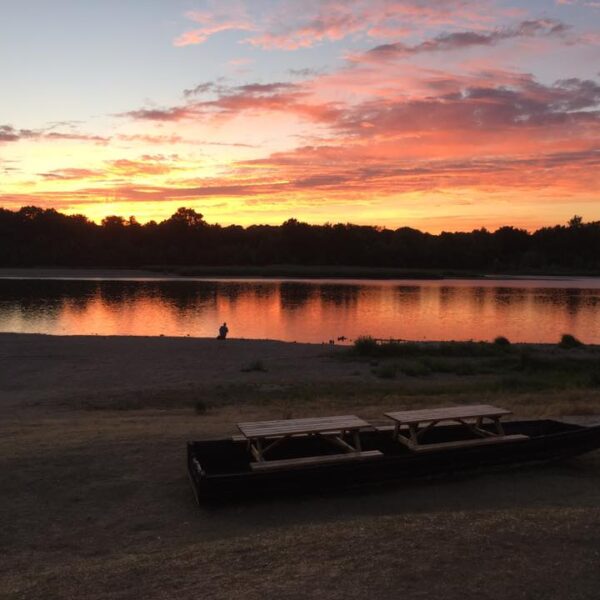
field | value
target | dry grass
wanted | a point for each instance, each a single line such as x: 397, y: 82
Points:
x: 102, y: 509
x: 95, y: 501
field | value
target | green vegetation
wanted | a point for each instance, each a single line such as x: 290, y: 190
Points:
x: 368, y: 346
x: 470, y: 367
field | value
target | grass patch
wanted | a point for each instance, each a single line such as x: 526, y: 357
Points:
x: 369, y: 347
x: 520, y: 383
x: 386, y: 371
x: 255, y: 366
x: 488, y: 367
x: 417, y: 369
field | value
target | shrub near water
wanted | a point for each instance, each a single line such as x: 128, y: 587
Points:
x: 367, y: 346
x: 568, y: 341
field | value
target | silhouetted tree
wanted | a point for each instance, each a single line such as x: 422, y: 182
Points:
x: 34, y: 236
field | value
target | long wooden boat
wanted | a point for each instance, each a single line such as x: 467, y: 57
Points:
x: 220, y: 469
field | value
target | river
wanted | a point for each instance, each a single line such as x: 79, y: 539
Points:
x: 523, y: 310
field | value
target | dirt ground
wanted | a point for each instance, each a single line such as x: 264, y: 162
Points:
x: 95, y: 501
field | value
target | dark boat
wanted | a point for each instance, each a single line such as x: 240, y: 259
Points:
x: 219, y: 469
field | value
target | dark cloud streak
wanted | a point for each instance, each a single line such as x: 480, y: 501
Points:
x: 465, y: 39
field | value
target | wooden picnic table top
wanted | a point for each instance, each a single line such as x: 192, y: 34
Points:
x: 412, y: 417
x: 259, y: 429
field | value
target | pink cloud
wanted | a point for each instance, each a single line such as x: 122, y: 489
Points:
x: 496, y: 131
x: 151, y: 165
x: 240, y: 62
x: 284, y: 97
x: 294, y: 25
x: 301, y: 26
x: 228, y: 18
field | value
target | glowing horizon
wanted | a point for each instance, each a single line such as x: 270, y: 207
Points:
x: 445, y: 114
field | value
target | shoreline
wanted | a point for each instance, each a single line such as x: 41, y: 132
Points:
x: 59, y: 273
x: 137, y: 372
x: 294, y: 272
x: 258, y: 342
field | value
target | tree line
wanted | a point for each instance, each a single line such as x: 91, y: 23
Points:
x: 34, y: 236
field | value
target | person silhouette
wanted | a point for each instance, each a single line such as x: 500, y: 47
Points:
x: 223, y: 331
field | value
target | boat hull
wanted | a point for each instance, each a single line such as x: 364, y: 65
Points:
x: 219, y: 469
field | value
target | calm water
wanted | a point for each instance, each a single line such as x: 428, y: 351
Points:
x: 311, y: 311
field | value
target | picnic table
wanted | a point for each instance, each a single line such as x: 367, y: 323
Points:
x: 341, y: 431
x: 472, y: 417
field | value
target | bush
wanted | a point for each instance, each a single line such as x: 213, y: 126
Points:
x: 568, y: 341
x: 366, y: 346
x: 502, y: 341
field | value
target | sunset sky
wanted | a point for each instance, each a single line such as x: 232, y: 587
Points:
x: 435, y: 114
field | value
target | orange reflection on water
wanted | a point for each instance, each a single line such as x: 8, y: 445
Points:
x: 311, y: 311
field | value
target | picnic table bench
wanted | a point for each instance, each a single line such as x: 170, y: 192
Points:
x: 263, y: 436
x: 472, y: 417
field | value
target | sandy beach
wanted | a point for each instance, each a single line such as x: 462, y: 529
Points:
x: 96, y: 504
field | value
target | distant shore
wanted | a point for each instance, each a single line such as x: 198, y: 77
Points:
x: 270, y: 272
x: 69, y: 273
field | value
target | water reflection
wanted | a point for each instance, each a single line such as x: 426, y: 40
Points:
x: 305, y: 310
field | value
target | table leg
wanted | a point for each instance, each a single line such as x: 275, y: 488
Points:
x: 499, y: 427
x: 356, y: 436
x: 256, y: 449
x: 414, y: 435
